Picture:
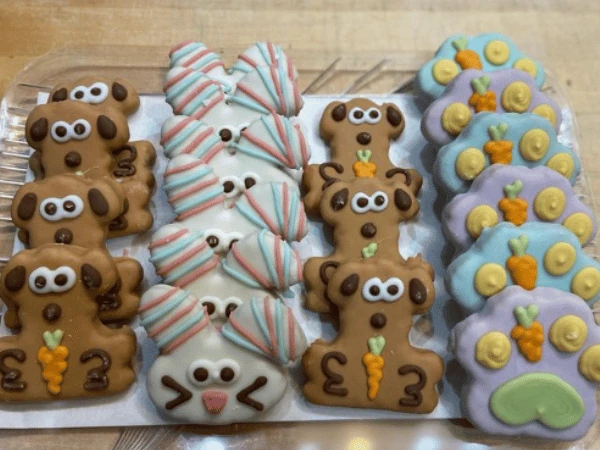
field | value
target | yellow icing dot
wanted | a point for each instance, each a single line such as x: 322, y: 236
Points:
x: 493, y: 350
x: 490, y: 279
x: 444, y: 71
x: 563, y: 163
x: 559, y: 258
x: 455, y: 117
x: 470, y: 163
x: 534, y: 144
x: 581, y: 225
x: 526, y: 65
x: 481, y: 217
x: 568, y: 333
x: 496, y: 52
x: 589, y: 363
x: 516, y: 97
x: 586, y: 283
x: 547, y: 112
x: 549, y: 204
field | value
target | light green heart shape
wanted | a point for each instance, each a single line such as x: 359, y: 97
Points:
x: 544, y: 397
x: 370, y: 250
x: 526, y: 316
x: 52, y: 338
x: 497, y: 132
x: 363, y: 155
x: 376, y: 344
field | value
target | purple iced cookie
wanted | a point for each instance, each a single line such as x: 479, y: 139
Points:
x: 533, y: 364
x: 518, y: 195
x: 475, y: 91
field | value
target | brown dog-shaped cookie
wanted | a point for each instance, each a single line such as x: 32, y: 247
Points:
x: 100, y: 91
x: 371, y: 363
x: 63, y: 350
x: 364, y: 214
x: 358, y: 133
x: 77, y: 210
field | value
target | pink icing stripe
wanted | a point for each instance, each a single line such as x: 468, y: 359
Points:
x: 285, y: 139
x: 263, y: 145
x: 192, y: 95
x: 183, y: 258
x: 248, y: 60
x: 272, y: 333
x: 271, y: 49
x: 180, y: 45
x: 174, y: 80
x: 187, y: 335
x: 286, y: 210
x: 297, y: 96
x: 256, y: 98
x: 182, y: 168
x: 299, y: 266
x: 278, y: 260
x: 176, y: 129
x: 212, y: 65
x: 261, y: 212
x: 278, y: 89
x: 303, y: 146
x: 198, y: 115
x: 193, y: 190
x: 212, y: 152
x: 290, y: 67
x: 167, y: 239
x: 291, y: 335
x: 249, y: 268
x: 197, y: 141
x: 247, y: 335
x: 157, y: 301
x: 195, y: 58
x: 198, y: 209
x: 187, y: 279
x: 182, y: 313
x: 301, y: 223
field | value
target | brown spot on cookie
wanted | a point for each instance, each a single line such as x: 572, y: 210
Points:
x: 417, y: 291
x: 394, y: 116
x: 349, y: 285
x: 72, y: 159
x: 378, y: 321
x: 39, y: 129
x: 339, y: 113
x: 63, y: 236
x: 119, y: 92
x: 339, y: 199
x: 98, y: 202
x: 368, y: 230
x: 60, y: 95
x: 106, y: 127
x: 402, y: 200
x: 15, y: 279
x: 92, y: 279
x: 363, y: 138
x: 52, y: 312
x: 27, y: 205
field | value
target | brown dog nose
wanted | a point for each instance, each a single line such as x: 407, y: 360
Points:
x: 52, y: 312
x: 63, y: 236
x: 363, y: 138
x: 378, y: 320
x: 368, y: 230
x: 72, y: 159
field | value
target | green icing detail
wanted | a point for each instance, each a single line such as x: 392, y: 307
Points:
x: 480, y: 84
x: 497, y: 132
x: 363, y: 155
x: 544, y: 397
x: 526, y: 316
x: 52, y: 338
x: 460, y: 43
x: 370, y: 250
x: 519, y: 245
x: 513, y: 189
x: 376, y: 344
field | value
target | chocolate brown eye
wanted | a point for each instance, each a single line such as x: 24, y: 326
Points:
x: 79, y: 94
x: 69, y: 206
x: 200, y: 374
x: 379, y: 200
x: 50, y: 209
x: 249, y: 182
x: 230, y: 308
x: 213, y: 241
x: 225, y: 134
x: 79, y: 128
x: 96, y: 91
x: 227, y: 374
x: 61, y: 131
x: 228, y: 186
x: 40, y: 282
x: 374, y: 290
x: 374, y: 114
x: 210, y: 307
x: 393, y: 289
x: 358, y: 114
x: 362, y: 202
x: 60, y: 280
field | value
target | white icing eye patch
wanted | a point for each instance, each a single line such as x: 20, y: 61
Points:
x: 44, y: 280
x: 94, y: 94
x: 218, y: 308
x: 362, y: 203
x: 358, y: 116
x: 234, y: 186
x: 374, y: 289
x: 62, y: 131
x: 203, y: 372
x: 219, y: 240
x: 54, y: 209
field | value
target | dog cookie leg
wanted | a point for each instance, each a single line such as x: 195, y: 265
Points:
x: 121, y: 302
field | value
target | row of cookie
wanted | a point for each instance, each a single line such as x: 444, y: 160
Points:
x: 235, y: 157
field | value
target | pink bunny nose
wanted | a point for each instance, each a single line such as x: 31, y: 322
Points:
x: 214, y: 401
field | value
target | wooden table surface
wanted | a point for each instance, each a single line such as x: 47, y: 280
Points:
x: 562, y: 34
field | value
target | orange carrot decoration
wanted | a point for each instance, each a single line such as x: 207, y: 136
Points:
x: 363, y: 167
x: 373, y: 361
x: 52, y: 357
x: 522, y: 267
x: 513, y: 208
x: 466, y: 59
x: 529, y: 333
x: 482, y: 99
x: 499, y: 151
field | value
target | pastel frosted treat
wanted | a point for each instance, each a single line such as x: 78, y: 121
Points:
x: 185, y: 259
x: 207, y: 376
x: 509, y: 139
x: 532, y: 255
x: 532, y: 359
x: 476, y: 91
x: 487, y: 52
x: 195, y: 55
x: 371, y: 363
x: 517, y: 195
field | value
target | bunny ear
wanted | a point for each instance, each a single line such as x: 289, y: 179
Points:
x: 267, y: 327
x: 171, y: 316
x: 275, y: 139
x: 268, y: 90
x: 264, y: 261
x: 191, y: 186
x: 180, y: 256
x: 264, y: 54
x: 195, y: 55
x: 182, y: 135
x: 275, y: 207
x: 192, y: 93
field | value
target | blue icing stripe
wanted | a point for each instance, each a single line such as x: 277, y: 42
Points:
x: 197, y: 174
x: 207, y: 145
x: 232, y: 335
x: 182, y: 85
x: 294, y: 200
x: 249, y: 214
x: 181, y: 137
x: 262, y: 47
x: 184, y: 51
x: 248, y: 103
x: 181, y: 328
x: 272, y: 130
x: 284, y: 80
x: 197, y: 200
x: 260, y: 319
x: 287, y: 260
x: 269, y: 262
x: 267, y: 83
x: 249, y: 281
x: 279, y: 326
x: 165, y: 309
x: 277, y: 202
x: 189, y: 266
x: 255, y: 153
x: 174, y: 247
x: 200, y: 99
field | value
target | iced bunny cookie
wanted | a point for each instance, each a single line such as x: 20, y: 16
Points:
x: 63, y: 351
x: 532, y: 358
x: 532, y: 255
x: 517, y: 195
x: 207, y: 376
x: 488, y: 52
x: 502, y: 138
x: 371, y: 363
x: 475, y: 91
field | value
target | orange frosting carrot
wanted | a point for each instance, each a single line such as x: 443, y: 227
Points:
x: 499, y: 151
x: 373, y: 361
x: 528, y: 333
x: 363, y: 167
x: 466, y: 59
x: 53, y: 365
x: 522, y: 267
x: 513, y: 208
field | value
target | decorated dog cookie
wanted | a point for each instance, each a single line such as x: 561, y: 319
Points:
x: 509, y: 139
x: 517, y: 195
x: 532, y: 255
x: 364, y: 214
x: 371, y: 363
x: 100, y: 91
x: 206, y: 376
x: 532, y: 358
x: 475, y: 91
x: 63, y: 350
x: 487, y: 52
x: 358, y: 133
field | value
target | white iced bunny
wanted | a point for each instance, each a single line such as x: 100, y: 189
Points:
x: 206, y: 376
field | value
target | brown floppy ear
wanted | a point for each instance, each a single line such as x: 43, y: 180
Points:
x: 36, y: 127
x: 24, y: 205
x: 395, y: 119
x: 119, y: 92
x: 98, y: 272
x: 326, y: 270
x: 106, y: 200
x: 14, y: 279
x: 58, y: 95
x: 333, y: 117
